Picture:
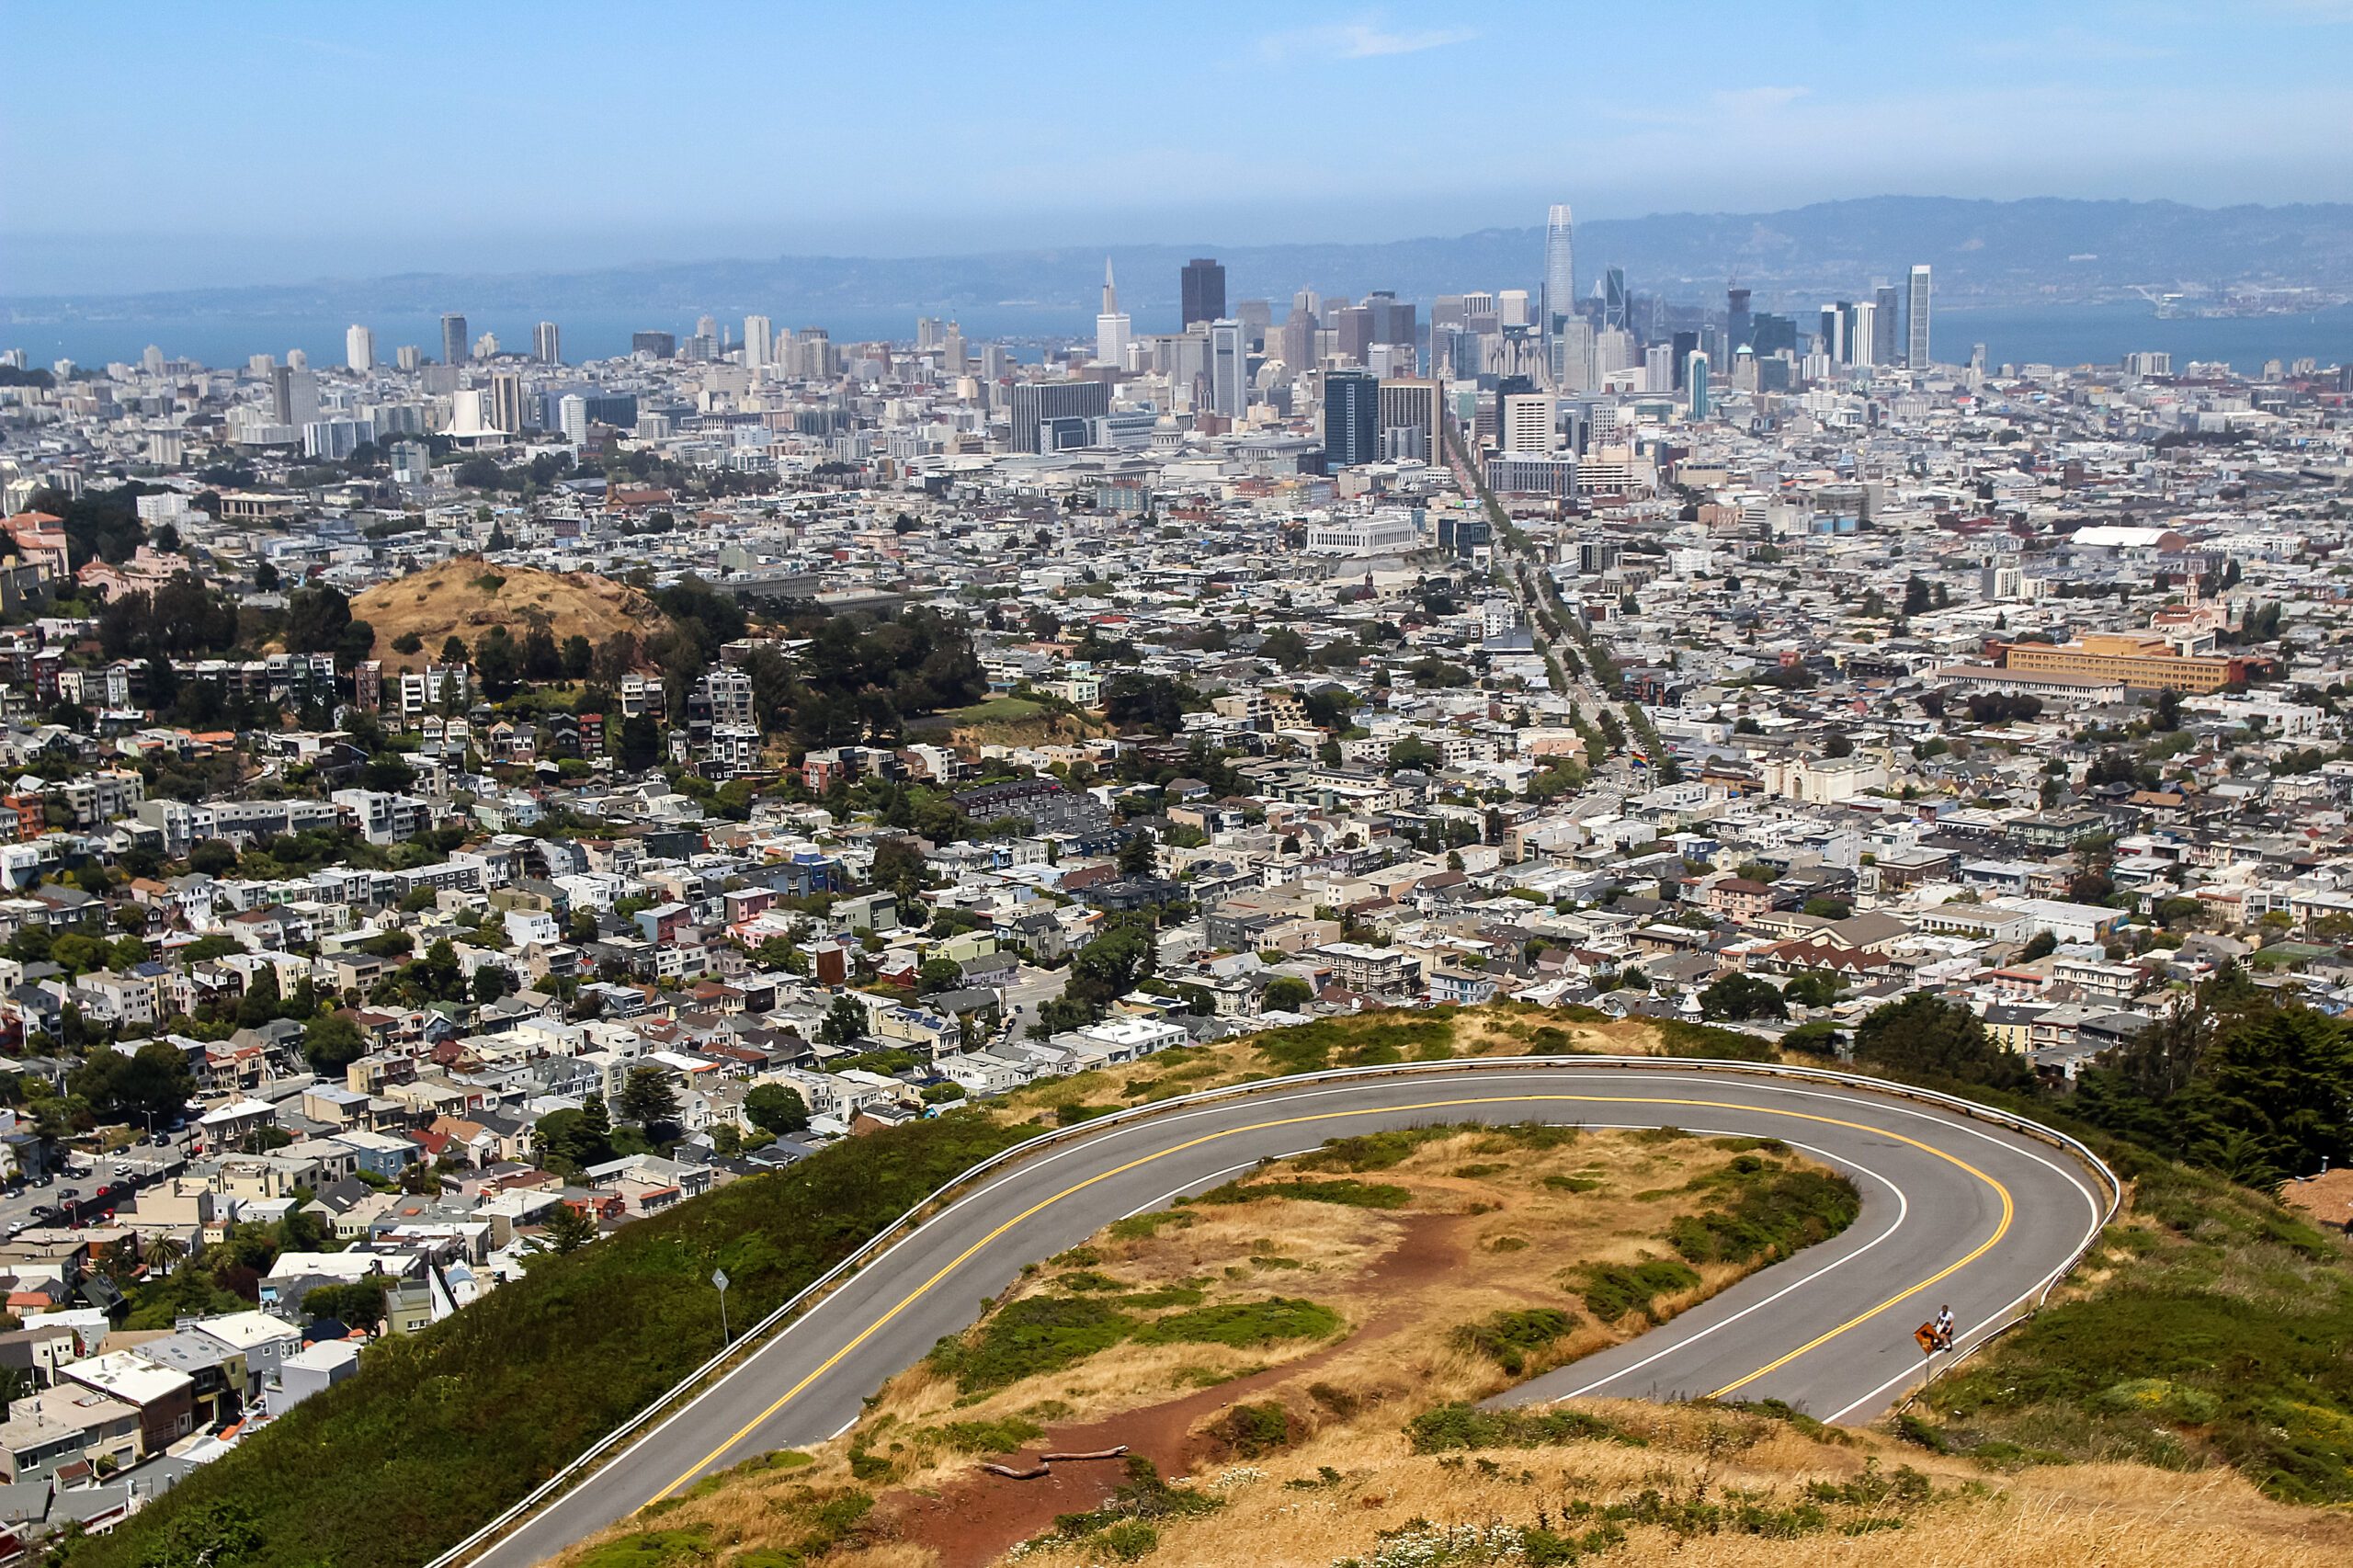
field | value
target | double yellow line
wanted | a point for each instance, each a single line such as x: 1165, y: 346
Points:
x: 871, y: 1330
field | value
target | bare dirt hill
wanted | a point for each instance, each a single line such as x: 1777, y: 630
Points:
x: 468, y: 596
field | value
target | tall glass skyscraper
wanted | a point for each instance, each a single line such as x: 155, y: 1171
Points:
x: 455, y: 350
x: 1560, y: 267
x: 1916, y: 356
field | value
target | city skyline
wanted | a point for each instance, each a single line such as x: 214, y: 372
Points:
x: 2124, y: 102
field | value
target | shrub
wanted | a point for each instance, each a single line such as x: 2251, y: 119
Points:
x: 1455, y: 1426
x: 1351, y: 1194
x: 1773, y: 1213
x: 1512, y: 1338
x: 1612, y: 1290
x: 1036, y: 1334
x: 1253, y: 1430
x: 1242, y: 1324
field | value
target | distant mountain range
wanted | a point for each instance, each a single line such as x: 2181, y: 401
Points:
x: 1993, y: 253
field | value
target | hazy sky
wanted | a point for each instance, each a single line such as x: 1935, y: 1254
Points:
x: 152, y: 145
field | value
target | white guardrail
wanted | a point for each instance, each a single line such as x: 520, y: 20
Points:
x: 889, y: 1235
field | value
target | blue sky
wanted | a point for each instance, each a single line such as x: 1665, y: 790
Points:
x: 151, y: 145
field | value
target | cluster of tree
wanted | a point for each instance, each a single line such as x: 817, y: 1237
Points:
x: 1100, y: 972
x: 1925, y: 1036
x: 182, y: 618
x: 318, y: 620
x: 100, y: 524
x: 2001, y: 707
x: 2251, y: 1085
x: 1132, y: 701
x: 1739, y: 996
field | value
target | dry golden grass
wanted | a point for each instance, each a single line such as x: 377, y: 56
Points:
x: 453, y: 597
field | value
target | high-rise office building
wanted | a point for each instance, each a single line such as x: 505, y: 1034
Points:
x: 1615, y: 307
x: 571, y: 419
x: 1685, y: 345
x: 1887, y: 325
x: 293, y: 395
x: 1916, y: 353
x: 1695, y: 384
x: 358, y: 349
x: 1526, y: 424
x: 1407, y: 403
x: 1351, y: 418
x: 1658, y: 368
x: 1571, y: 351
x: 1862, y: 332
x: 1201, y: 287
x: 759, y: 343
x: 1513, y: 308
x: 1354, y: 326
x: 661, y: 344
x: 1228, y: 369
x: 1834, y: 331
x: 952, y: 357
x: 408, y: 357
x: 1037, y: 404
x: 506, y: 402
x: 1112, y: 325
x: 547, y: 343
x: 453, y: 339
x: 1558, y: 299
x: 1739, y: 322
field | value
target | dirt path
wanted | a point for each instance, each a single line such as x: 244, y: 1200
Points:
x: 978, y: 1519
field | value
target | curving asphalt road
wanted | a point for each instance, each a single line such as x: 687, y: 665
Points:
x: 1955, y: 1210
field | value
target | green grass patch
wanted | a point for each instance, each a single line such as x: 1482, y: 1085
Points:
x: 1143, y: 1227
x: 1573, y: 1183
x: 1368, y: 1039
x: 1677, y: 1037
x: 1373, y: 1150
x: 1002, y: 1435
x: 652, y: 1549
x: 1253, y: 1431
x: 1343, y: 1192
x: 1512, y: 1339
x: 1243, y: 1324
x: 1771, y: 1214
x: 1451, y: 1428
x: 1034, y: 1334
x: 1610, y: 1291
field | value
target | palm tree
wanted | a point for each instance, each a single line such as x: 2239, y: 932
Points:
x: 164, y: 1252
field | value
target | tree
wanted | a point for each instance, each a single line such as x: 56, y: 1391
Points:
x: 331, y: 1042
x: 1924, y: 1034
x: 1819, y: 1037
x: 491, y: 982
x: 649, y: 1100
x: 2042, y: 945
x: 541, y: 660
x: 776, y: 1109
x: 315, y: 619
x: 1741, y: 996
x: 844, y: 1023
x: 1135, y: 855
x: 898, y: 867
x: 1285, y: 993
x: 579, y: 657
x: 260, y: 1003
x: 939, y: 974
x: 1414, y: 752
x: 498, y: 661
x: 359, y: 1303
x: 566, y: 1229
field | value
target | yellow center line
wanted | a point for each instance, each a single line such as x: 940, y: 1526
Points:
x: 1044, y: 1203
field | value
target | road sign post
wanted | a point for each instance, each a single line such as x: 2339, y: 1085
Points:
x: 719, y: 1278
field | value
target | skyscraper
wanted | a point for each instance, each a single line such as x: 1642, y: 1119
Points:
x: 1202, y: 289
x: 1739, y: 324
x: 1614, y: 307
x: 358, y: 349
x: 1862, y: 332
x: 1558, y: 297
x: 1887, y: 325
x: 547, y: 344
x: 1040, y: 403
x: 453, y: 339
x: 759, y: 343
x: 1112, y: 324
x: 1915, y: 355
x: 1351, y: 418
x: 1228, y: 369
x: 1695, y: 382
x: 506, y: 402
x: 572, y: 417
